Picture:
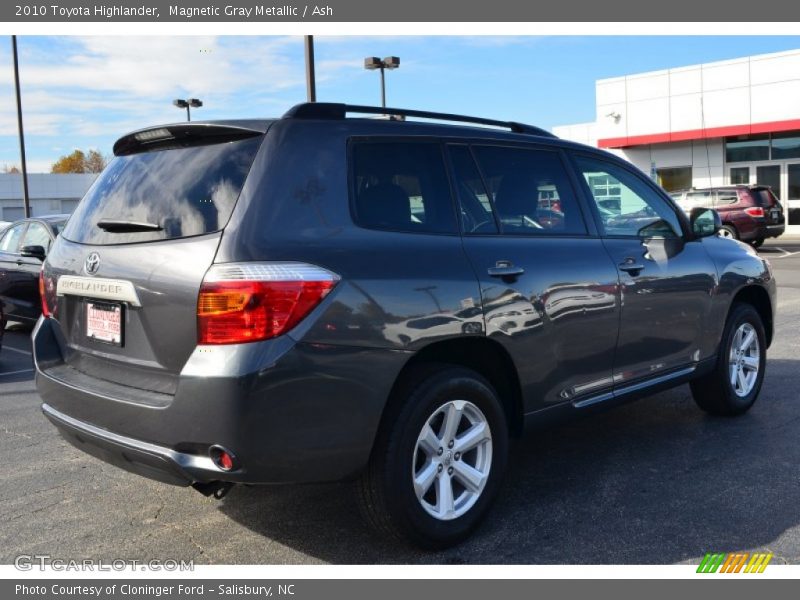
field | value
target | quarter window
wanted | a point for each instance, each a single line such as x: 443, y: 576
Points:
x: 641, y: 211
x: 402, y: 186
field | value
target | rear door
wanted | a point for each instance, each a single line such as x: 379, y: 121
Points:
x: 732, y: 205
x: 123, y: 277
x: 549, y: 289
x: 666, y: 281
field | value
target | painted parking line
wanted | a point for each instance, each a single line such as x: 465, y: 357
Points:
x: 786, y: 253
x: 16, y: 372
x: 12, y: 349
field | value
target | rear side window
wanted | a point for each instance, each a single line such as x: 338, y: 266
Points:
x: 401, y: 186
x: 726, y: 197
x: 530, y: 191
x: 184, y: 191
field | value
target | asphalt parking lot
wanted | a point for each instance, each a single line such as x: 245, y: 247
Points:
x: 656, y: 481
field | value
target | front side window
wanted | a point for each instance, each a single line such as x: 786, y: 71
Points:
x: 36, y: 236
x: 641, y: 211
x: 402, y: 186
x: 530, y: 191
x: 10, y: 241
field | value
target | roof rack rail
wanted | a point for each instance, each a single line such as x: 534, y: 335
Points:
x: 336, y: 111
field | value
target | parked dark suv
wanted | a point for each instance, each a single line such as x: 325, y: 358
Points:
x: 318, y: 298
x: 751, y: 213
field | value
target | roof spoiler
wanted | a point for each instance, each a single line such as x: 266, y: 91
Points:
x: 180, y: 135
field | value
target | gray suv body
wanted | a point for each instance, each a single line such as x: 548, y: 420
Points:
x: 318, y: 298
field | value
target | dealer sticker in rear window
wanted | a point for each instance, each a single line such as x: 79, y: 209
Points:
x: 104, y: 322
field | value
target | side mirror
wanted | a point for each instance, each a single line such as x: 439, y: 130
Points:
x: 33, y: 252
x: 705, y: 221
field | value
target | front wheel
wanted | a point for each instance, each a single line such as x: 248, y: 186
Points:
x: 734, y: 384
x: 438, y: 461
x: 757, y: 242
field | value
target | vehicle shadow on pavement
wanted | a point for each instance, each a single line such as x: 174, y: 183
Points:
x: 653, y: 482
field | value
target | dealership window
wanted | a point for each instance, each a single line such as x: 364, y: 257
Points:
x: 740, y: 175
x: 785, y: 145
x: 775, y: 146
x: 675, y: 178
x: 747, y: 148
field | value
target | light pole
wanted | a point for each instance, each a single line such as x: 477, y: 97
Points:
x: 372, y: 63
x: 25, y: 196
x: 188, y: 105
x: 311, y: 84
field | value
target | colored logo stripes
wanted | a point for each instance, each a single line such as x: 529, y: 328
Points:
x: 735, y: 562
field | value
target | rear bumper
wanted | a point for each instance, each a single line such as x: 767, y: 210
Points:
x: 148, y: 460
x: 772, y: 231
x: 289, y: 412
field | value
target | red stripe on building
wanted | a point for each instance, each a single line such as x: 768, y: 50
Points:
x: 698, y: 134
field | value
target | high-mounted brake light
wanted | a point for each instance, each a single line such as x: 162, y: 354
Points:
x: 152, y: 135
x: 247, y: 302
x: 755, y: 211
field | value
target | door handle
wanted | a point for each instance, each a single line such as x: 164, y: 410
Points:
x: 631, y: 267
x: 504, y: 269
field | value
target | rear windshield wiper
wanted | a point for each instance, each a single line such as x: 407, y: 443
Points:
x: 114, y: 226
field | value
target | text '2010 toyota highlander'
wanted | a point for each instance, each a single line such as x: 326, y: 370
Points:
x: 319, y: 298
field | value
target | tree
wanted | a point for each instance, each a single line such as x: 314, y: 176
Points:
x: 11, y: 169
x: 80, y: 162
x: 95, y: 162
x: 70, y: 163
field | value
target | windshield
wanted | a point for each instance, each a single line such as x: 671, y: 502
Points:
x: 183, y: 191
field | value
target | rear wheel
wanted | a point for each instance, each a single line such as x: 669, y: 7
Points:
x: 734, y: 384
x: 438, y: 461
x: 728, y: 231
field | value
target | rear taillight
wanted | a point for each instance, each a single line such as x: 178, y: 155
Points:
x: 45, y: 289
x: 755, y: 211
x: 247, y: 302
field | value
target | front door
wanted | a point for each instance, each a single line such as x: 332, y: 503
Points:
x: 548, y: 287
x: 666, y: 282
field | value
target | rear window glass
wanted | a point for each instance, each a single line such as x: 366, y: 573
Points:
x: 765, y: 197
x: 184, y: 191
x: 402, y: 186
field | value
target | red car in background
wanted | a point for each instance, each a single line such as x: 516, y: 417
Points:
x: 751, y: 213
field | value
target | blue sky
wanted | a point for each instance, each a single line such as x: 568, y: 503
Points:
x: 84, y: 92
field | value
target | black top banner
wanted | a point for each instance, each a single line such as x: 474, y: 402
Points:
x: 463, y: 11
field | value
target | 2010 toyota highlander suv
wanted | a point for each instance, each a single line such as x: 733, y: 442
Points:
x: 321, y: 297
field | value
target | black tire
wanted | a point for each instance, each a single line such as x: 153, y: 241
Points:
x: 714, y: 392
x: 757, y: 242
x: 731, y: 232
x: 386, y: 491
x: 3, y: 324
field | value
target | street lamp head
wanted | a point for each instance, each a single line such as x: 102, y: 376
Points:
x: 180, y: 103
x: 391, y: 62
x: 372, y: 62
x: 195, y: 103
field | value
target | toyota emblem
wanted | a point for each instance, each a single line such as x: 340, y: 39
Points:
x: 92, y: 263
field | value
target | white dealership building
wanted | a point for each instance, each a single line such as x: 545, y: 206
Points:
x: 734, y: 121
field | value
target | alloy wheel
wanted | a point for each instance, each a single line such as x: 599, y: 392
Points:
x: 744, y: 360
x: 452, y: 460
